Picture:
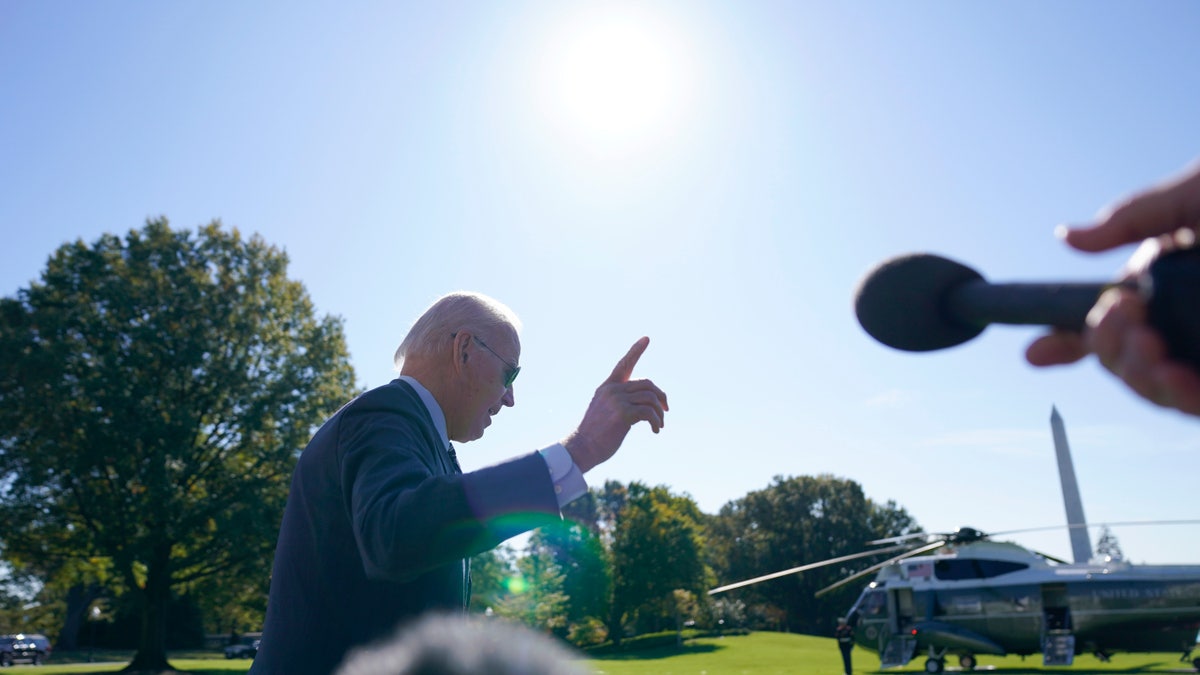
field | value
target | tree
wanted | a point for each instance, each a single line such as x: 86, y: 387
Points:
x: 1108, y: 548
x: 577, y: 549
x: 231, y: 605
x: 491, y: 573
x: 793, y: 522
x: 685, y: 606
x: 726, y: 613
x: 154, y: 394
x: 536, y: 598
x: 657, y: 548
x: 76, y: 585
x: 27, y: 605
x: 602, y: 510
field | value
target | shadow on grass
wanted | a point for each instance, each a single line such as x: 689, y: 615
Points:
x: 185, y: 662
x: 659, y: 653
x: 94, y: 656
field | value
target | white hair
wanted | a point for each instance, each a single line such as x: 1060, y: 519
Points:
x: 449, y: 314
x: 454, y: 644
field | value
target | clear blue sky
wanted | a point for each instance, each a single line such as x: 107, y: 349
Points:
x: 716, y: 175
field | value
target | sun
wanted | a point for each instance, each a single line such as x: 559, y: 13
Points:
x: 615, y: 77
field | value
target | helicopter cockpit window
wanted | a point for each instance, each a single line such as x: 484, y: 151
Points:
x: 974, y: 568
x: 873, y: 603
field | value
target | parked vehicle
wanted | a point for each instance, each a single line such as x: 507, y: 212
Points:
x: 32, y: 648
x: 246, y: 649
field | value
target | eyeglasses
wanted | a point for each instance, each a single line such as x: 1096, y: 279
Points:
x: 513, y: 369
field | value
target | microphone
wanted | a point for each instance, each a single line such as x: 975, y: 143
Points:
x: 922, y: 302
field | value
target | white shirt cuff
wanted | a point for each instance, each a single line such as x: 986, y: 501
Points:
x: 569, y: 484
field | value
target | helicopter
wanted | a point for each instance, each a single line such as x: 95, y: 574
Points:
x: 966, y: 594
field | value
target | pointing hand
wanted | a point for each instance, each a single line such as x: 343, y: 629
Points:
x: 618, y: 404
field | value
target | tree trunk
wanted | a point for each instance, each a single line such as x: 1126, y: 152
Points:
x: 79, y: 598
x: 615, y: 629
x: 151, y: 655
x: 678, y: 626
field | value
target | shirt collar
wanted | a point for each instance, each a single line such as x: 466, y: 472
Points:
x: 435, y: 410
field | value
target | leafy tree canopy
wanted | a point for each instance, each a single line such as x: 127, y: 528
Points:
x: 797, y: 521
x: 657, y: 548
x: 154, y: 393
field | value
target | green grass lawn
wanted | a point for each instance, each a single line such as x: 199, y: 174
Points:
x: 761, y: 653
x: 771, y: 653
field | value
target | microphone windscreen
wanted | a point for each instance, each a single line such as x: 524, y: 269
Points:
x: 901, y: 303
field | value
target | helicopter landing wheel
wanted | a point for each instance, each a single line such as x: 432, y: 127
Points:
x: 934, y: 666
x: 967, y: 661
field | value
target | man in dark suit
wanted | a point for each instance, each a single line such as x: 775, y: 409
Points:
x: 380, y: 521
x: 845, y: 639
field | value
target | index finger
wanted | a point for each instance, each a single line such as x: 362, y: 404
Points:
x: 1056, y: 348
x: 624, y: 369
x: 1159, y: 210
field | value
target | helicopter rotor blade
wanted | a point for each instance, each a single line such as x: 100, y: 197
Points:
x: 879, y: 566
x: 1047, y: 556
x: 974, y: 534
x: 802, y: 568
x: 1073, y: 526
x: 907, y: 537
x: 960, y: 536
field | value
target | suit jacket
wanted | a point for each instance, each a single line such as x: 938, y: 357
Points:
x: 377, y: 528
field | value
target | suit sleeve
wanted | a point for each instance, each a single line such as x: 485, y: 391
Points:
x: 409, y: 517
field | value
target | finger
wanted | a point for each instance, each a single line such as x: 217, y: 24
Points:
x: 646, y: 398
x: 1181, y: 385
x: 1055, y: 349
x: 1145, y: 254
x: 651, y: 414
x: 624, y: 368
x: 1109, y: 321
x: 1141, y: 353
x: 1160, y: 210
x: 646, y: 385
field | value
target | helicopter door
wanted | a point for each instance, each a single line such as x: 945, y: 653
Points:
x: 1058, y: 637
x: 901, y: 644
x: 902, y: 614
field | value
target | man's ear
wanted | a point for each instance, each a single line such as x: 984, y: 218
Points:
x: 461, y: 340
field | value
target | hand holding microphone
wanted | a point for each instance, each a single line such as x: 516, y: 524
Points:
x: 1122, y: 329
x: 1145, y: 327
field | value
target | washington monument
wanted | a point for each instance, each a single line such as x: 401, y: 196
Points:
x: 1081, y: 542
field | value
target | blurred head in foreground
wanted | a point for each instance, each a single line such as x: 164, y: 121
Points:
x: 456, y: 645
